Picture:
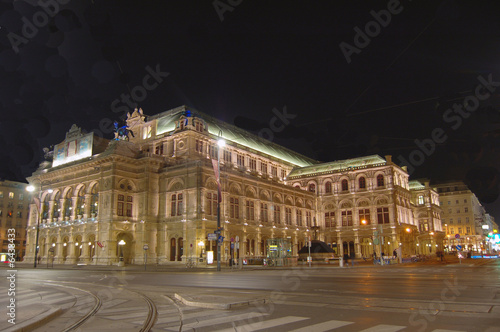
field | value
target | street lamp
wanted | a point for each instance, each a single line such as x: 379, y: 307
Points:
x: 31, y: 189
x: 121, y: 244
x: 221, y: 143
x: 201, y: 244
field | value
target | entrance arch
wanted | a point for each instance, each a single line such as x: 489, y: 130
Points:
x: 127, y: 250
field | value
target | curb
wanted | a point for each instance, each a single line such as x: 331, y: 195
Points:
x: 187, y: 300
x: 34, y: 322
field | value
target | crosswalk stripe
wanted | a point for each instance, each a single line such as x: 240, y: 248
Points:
x: 215, y: 321
x: 384, y: 328
x: 322, y: 327
x: 265, y: 324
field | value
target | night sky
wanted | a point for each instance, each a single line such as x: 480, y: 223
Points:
x: 401, y: 78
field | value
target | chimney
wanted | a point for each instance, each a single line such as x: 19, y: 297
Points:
x: 388, y: 158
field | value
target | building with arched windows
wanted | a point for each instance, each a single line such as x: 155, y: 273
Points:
x: 100, y: 202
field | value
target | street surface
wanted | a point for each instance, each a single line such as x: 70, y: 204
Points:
x: 409, y: 297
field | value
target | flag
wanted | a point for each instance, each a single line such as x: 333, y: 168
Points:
x: 217, y: 178
x: 100, y: 244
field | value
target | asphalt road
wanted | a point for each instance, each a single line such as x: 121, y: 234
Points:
x: 390, y: 298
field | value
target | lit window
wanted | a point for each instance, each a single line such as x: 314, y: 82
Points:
x: 11, y: 195
x: 420, y: 199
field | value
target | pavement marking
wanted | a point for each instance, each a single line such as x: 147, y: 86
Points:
x: 322, y: 327
x: 441, y: 330
x: 384, y: 328
x: 216, y: 321
x: 265, y: 324
x: 191, y: 315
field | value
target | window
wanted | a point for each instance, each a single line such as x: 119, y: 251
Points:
x: 159, y: 149
x: 456, y: 201
x: 449, y: 202
x: 465, y: 200
x: 308, y: 218
x: 94, y: 200
x: 328, y: 187
x: 263, y: 212
x: 253, y: 164
x: 274, y: 171
x: 234, y: 207
x: 240, y: 160
x: 213, y: 151
x: 330, y: 219
x: 21, y: 197
x: 1, y: 194
x: 263, y: 167
x: 20, y: 206
x: 10, y: 204
x: 380, y: 180
x: 199, y: 146
x: 19, y: 214
x: 283, y: 174
x: 362, y: 183
x: 466, y: 209
x: 452, y: 231
x: 459, y: 230
x: 250, y: 210
x: 364, y: 216
x: 119, y: 208
x: 346, y: 218
x: 420, y: 199
x: 298, y: 214
x: 11, y: 195
x: 147, y: 132
x: 312, y: 187
x: 459, y: 220
x: 383, y: 215
x: 176, y: 205
x: 211, y: 204
x: 467, y: 231
x: 467, y: 219
x: 199, y: 126
x: 80, y: 202
x: 68, y: 202
x: 277, y: 214
x: 129, y: 206
x: 451, y: 220
x: 458, y: 210
x: 345, y: 186
x: 449, y: 210
x: 227, y: 156
x: 288, y: 216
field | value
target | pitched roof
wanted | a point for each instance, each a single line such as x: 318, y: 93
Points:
x: 166, y: 123
x: 339, y: 165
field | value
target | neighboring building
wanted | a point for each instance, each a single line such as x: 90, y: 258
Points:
x: 463, y: 216
x: 14, y: 210
x: 428, y: 214
x: 102, y: 202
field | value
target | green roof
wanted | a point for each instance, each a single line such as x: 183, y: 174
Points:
x: 415, y: 185
x: 339, y: 165
x: 166, y: 123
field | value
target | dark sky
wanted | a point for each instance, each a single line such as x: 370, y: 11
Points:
x: 404, y: 81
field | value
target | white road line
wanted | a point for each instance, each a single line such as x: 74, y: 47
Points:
x: 322, y: 327
x: 191, y: 315
x: 441, y: 330
x: 215, y: 321
x: 265, y: 324
x: 384, y: 328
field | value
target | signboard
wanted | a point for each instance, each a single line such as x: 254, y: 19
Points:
x: 459, y: 247
x: 457, y: 236
x: 146, y: 247
x: 212, y: 236
x: 220, y: 239
x: 210, y: 257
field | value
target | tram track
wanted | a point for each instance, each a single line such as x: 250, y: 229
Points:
x: 147, y: 325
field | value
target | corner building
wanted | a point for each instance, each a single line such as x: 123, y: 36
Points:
x: 100, y: 200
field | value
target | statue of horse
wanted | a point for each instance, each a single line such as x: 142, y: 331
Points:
x: 121, y: 133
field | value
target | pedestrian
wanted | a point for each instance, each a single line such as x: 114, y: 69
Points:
x: 346, y: 260
x: 353, y: 257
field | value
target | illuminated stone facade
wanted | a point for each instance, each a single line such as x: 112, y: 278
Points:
x: 14, y: 209
x: 160, y: 189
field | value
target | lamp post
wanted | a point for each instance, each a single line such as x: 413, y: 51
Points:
x: 30, y: 189
x: 201, y: 244
x: 221, y: 143
x: 120, y: 260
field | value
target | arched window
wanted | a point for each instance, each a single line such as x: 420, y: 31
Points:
x: 362, y: 182
x: 45, y: 207
x: 94, y: 200
x: 328, y: 187
x: 380, y: 180
x: 176, y: 205
x: 312, y: 187
x: 80, y: 202
x: 68, y: 202
x: 345, y: 186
